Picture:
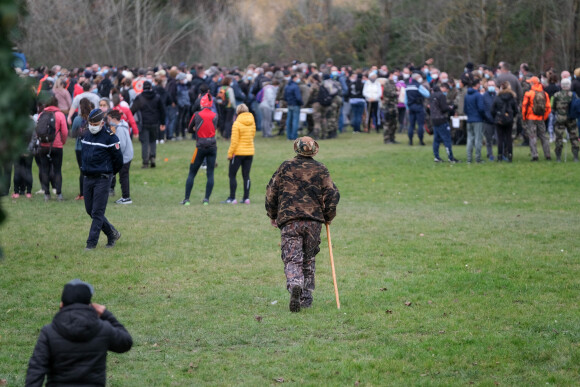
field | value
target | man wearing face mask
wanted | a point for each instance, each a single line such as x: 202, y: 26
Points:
x: 415, y: 94
x: 101, y: 160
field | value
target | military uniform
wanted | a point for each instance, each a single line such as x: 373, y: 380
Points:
x: 282, y: 104
x: 562, y: 100
x: 330, y: 114
x: 313, y: 120
x: 299, y: 198
x: 390, y: 99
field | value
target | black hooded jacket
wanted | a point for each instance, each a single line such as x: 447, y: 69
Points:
x: 72, y: 350
x: 151, y: 108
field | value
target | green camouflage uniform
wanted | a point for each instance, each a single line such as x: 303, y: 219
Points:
x: 561, y: 104
x: 330, y: 114
x: 300, y: 197
x: 314, y: 119
x: 390, y: 100
x: 282, y: 104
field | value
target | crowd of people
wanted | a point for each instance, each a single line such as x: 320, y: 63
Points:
x: 483, y: 105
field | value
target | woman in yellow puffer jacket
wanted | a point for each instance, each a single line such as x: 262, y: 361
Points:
x: 241, y: 152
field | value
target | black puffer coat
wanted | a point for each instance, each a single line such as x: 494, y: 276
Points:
x: 72, y: 350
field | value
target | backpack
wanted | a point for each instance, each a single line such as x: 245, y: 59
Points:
x: 324, y: 96
x: 46, y: 128
x: 222, y: 97
x: 260, y: 95
x: 574, y: 109
x: 504, y: 116
x: 539, y: 104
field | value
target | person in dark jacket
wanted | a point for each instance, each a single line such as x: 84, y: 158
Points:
x: 152, y: 111
x: 101, y: 160
x: 72, y: 350
x: 488, y: 124
x: 475, y: 111
x: 357, y: 102
x: 440, y: 110
x: 504, y: 110
x: 294, y: 100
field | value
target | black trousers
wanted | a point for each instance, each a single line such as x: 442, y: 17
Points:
x: 80, y: 162
x: 23, y: 175
x: 246, y: 163
x: 504, y: 141
x: 96, y: 190
x: 47, y: 159
x: 124, y: 180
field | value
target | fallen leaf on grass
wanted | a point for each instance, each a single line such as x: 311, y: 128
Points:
x: 279, y: 380
x: 424, y: 374
x: 258, y: 318
x: 155, y: 345
x: 429, y: 302
x: 388, y: 311
x: 408, y: 303
x: 441, y: 332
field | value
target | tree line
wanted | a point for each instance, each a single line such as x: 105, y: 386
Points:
x: 394, y: 32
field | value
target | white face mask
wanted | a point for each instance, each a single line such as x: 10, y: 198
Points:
x: 444, y: 80
x: 94, y: 129
x: 435, y: 76
x: 406, y: 76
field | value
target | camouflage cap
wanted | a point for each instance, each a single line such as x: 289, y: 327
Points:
x: 306, y: 146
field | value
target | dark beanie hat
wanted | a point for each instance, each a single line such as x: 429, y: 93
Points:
x: 77, y: 292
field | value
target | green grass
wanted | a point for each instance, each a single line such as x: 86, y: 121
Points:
x: 486, y: 254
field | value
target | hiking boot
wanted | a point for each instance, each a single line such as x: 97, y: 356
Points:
x: 113, y: 239
x: 295, y: 294
x: 185, y: 202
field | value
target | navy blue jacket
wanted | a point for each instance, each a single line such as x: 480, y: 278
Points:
x: 292, y: 94
x: 414, y: 97
x: 474, y: 107
x: 101, y: 153
x: 488, y: 98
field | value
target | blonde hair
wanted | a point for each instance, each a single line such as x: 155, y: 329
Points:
x: 242, y: 108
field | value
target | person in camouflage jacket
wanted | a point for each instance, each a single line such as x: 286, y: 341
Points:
x: 561, y: 103
x: 390, y: 99
x: 299, y: 198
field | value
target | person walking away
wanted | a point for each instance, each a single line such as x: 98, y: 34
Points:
x: 561, y: 102
x: 488, y: 121
x: 300, y: 197
x: 52, y: 122
x: 153, y: 118
x: 203, y: 124
x: 78, y: 130
x: 415, y: 94
x: 294, y: 101
x: 101, y: 159
x: 440, y: 118
x: 475, y: 111
x: 121, y: 129
x: 504, y: 111
x: 72, y: 349
x: 267, y: 107
x: 241, y: 152
x: 536, y: 109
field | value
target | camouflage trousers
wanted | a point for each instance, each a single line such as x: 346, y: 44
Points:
x: 536, y: 129
x: 560, y: 130
x: 316, y: 120
x: 300, y: 244
x: 329, y: 120
x: 390, y: 125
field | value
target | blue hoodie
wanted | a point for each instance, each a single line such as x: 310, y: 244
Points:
x: 292, y: 94
x: 474, y: 107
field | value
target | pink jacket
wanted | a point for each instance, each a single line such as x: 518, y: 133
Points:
x: 61, y: 127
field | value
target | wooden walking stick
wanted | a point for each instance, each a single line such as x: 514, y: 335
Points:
x: 332, y: 266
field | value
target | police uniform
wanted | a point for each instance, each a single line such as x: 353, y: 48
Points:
x: 101, y: 160
x: 300, y: 197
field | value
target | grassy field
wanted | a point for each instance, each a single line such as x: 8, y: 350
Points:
x: 448, y: 274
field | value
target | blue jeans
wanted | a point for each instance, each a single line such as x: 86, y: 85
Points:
x: 293, y: 122
x: 357, y: 110
x: 171, y: 113
x: 199, y: 155
x: 442, y: 133
x: 257, y: 114
x: 416, y: 115
x: 96, y: 192
x: 474, y: 138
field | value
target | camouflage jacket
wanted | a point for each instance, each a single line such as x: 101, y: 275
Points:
x: 561, y: 104
x: 390, y: 95
x: 301, y: 189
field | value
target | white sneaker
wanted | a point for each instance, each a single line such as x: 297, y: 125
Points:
x: 162, y: 141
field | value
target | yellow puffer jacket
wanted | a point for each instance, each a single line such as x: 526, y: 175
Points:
x: 243, y: 133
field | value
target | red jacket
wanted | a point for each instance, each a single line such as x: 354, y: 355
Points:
x: 60, y: 127
x: 128, y: 117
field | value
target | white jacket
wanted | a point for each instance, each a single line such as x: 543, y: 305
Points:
x: 372, y: 90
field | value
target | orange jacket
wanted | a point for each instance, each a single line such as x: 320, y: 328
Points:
x: 528, y: 103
